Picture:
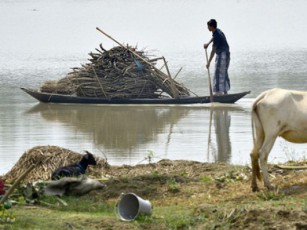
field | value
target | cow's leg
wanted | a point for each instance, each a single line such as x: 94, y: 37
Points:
x: 255, y: 163
x: 264, y: 153
x: 255, y: 169
x: 258, y: 143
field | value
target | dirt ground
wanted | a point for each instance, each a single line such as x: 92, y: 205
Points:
x: 218, y: 195
x: 194, y: 195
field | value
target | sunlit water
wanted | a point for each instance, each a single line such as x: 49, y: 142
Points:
x: 41, y: 41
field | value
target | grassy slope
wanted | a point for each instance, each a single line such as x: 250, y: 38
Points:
x: 184, y: 195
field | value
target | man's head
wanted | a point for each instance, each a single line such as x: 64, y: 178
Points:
x: 212, y: 25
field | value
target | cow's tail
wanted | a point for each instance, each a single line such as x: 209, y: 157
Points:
x: 256, y: 123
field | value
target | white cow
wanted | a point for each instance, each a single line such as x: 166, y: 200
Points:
x: 276, y: 112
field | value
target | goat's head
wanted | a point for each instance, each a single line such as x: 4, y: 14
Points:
x: 89, y: 158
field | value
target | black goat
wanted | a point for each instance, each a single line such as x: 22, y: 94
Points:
x: 75, y: 169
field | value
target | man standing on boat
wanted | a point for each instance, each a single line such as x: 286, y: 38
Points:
x: 220, y: 47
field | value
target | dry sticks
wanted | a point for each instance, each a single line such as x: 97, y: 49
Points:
x: 121, y: 72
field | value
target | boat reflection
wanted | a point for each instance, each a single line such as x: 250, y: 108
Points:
x: 120, y: 127
x: 175, y: 132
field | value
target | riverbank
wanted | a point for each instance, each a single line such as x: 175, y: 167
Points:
x: 184, y: 194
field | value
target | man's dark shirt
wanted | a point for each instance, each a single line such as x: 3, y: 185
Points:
x: 219, y: 41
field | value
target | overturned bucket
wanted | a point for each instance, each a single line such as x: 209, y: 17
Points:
x: 130, y: 206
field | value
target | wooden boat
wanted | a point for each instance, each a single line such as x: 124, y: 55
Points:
x: 61, y: 98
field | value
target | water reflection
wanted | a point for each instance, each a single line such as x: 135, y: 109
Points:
x: 120, y: 127
x: 126, y: 130
x: 221, y: 151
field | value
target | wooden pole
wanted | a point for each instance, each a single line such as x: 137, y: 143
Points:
x: 178, y: 72
x: 11, y: 189
x: 166, y: 66
x: 171, y: 80
x: 16, y: 183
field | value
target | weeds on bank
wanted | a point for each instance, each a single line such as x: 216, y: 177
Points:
x: 271, y: 195
x: 149, y: 157
x: 292, y: 155
x: 220, y: 217
x: 305, y: 205
x: 233, y: 176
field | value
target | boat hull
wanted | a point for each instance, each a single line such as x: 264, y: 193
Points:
x: 60, y: 98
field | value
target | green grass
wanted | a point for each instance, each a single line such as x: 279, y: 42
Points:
x: 86, y: 204
x: 88, y: 213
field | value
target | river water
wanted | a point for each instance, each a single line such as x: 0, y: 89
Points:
x: 42, y: 40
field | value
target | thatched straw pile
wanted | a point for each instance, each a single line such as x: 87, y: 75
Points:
x: 117, y: 73
x: 48, y: 158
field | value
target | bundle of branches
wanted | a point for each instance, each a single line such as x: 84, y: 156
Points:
x: 46, y: 159
x: 121, y: 72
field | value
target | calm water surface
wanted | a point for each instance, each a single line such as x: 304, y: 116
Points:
x: 41, y: 41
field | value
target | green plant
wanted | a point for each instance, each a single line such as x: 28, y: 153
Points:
x: 6, y: 216
x: 206, y: 178
x: 149, y: 156
x: 173, y: 186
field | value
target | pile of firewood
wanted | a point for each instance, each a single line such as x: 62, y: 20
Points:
x: 121, y: 72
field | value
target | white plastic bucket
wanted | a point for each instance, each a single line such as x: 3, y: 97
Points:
x: 130, y: 206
